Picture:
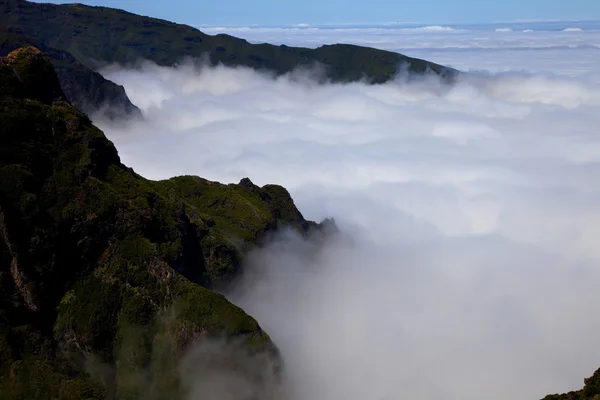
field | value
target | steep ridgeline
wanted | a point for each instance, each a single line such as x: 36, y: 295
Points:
x: 106, y: 277
x: 86, y: 89
x: 100, y: 34
x: 591, y: 390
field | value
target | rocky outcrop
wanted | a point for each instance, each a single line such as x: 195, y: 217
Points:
x: 19, y: 279
x: 89, y: 91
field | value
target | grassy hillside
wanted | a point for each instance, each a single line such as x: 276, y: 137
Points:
x: 100, y: 34
x: 106, y: 277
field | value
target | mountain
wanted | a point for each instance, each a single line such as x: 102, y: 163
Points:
x: 98, y: 35
x: 106, y: 278
x: 84, y: 88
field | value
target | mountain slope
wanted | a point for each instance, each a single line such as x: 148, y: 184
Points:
x: 99, y: 34
x: 85, y: 88
x: 105, y: 276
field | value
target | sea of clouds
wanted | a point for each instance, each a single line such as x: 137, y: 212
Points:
x: 491, y: 47
x: 469, y: 263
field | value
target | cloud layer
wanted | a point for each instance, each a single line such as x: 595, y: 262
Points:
x: 471, y: 266
x: 419, y: 37
x: 568, y: 48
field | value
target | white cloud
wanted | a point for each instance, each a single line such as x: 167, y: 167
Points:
x: 545, y: 43
x: 430, y: 28
x: 473, y: 209
x: 394, y: 37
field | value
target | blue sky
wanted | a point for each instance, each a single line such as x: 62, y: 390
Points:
x: 277, y: 12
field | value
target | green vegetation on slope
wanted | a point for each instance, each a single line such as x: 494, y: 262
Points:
x: 101, y: 34
x: 591, y: 390
x: 105, y: 276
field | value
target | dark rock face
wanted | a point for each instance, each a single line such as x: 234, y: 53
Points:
x: 83, y: 87
x: 106, y: 277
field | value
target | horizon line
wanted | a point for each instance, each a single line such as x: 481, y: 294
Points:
x: 305, y: 25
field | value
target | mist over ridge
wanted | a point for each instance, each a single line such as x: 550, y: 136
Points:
x: 177, y: 253
x: 472, y: 211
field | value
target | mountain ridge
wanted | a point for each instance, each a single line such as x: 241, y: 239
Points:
x: 96, y: 36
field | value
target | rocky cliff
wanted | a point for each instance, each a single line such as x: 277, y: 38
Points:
x: 105, y: 276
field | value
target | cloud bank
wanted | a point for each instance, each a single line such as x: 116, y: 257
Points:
x: 567, y: 48
x: 408, y: 37
x: 469, y: 263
